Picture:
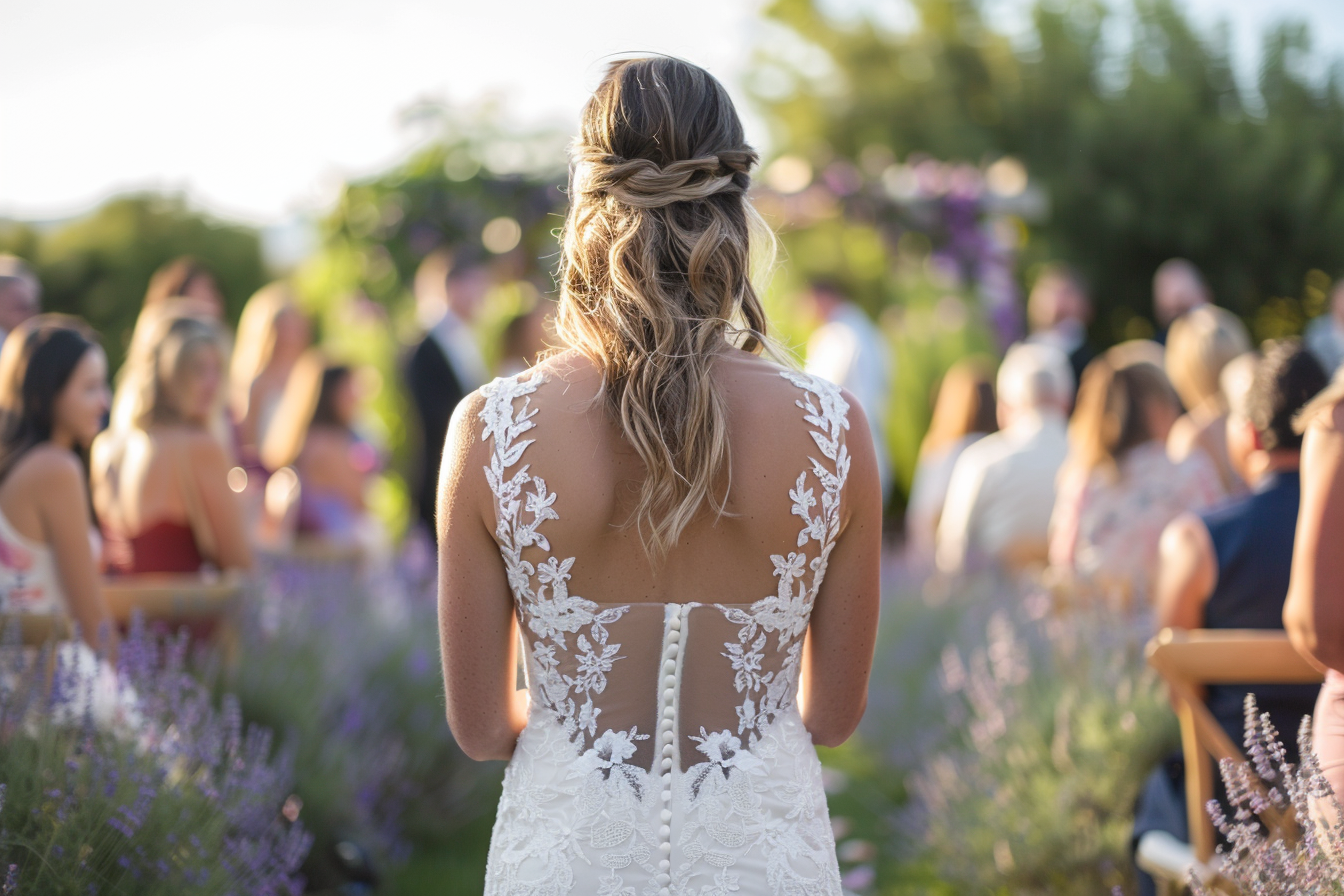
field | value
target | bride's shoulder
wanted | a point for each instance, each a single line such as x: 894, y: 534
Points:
x: 767, y: 384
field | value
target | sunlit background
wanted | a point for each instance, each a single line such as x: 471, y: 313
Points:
x: 926, y: 155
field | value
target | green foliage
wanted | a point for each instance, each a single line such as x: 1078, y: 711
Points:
x: 475, y: 170
x: 99, y: 265
x: 1145, y: 151
x: 1056, y: 725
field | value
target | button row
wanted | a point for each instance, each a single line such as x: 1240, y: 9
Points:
x: 667, y: 741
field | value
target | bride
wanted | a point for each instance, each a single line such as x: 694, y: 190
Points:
x: 684, y: 533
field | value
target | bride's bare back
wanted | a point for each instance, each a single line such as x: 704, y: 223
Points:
x: 593, y: 476
x: 596, y: 475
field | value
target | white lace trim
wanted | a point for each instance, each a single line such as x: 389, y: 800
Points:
x: 788, y: 611
x: 551, y: 617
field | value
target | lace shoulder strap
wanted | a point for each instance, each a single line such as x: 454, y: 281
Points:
x: 786, y: 613
x: 503, y: 421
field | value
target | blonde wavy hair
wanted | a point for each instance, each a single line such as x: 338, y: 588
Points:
x: 256, y: 339
x: 1200, y: 344
x: 655, y: 275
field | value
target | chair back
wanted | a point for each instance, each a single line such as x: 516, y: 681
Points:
x: 1190, y: 660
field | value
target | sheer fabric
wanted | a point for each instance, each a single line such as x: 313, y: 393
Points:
x: 664, y: 754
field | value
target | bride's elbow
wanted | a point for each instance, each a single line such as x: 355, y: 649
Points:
x: 483, y: 744
x: 835, y: 726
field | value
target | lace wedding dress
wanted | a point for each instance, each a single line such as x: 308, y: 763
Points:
x: 664, y: 754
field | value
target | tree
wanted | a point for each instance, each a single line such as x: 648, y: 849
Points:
x: 98, y: 266
x: 1146, y: 151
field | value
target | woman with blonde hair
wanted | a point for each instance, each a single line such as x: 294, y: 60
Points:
x: 1199, y: 345
x: 160, y: 476
x: 1118, y: 489
x: 314, y: 434
x: 272, y: 333
x: 666, y: 517
x: 963, y: 413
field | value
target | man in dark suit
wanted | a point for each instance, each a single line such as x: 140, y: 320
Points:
x: 446, y: 365
x: 1058, y: 312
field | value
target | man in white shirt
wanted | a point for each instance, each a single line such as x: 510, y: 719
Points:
x: 1003, y: 487
x: 849, y: 350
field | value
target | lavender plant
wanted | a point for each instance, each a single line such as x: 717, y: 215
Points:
x: 166, y: 793
x: 1256, y: 861
x: 1054, y: 723
x: 343, y: 663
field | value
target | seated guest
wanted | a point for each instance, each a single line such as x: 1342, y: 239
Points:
x: 962, y: 414
x: 53, y: 395
x: 20, y: 293
x: 524, y: 339
x: 1325, y: 335
x: 1199, y: 345
x: 1118, y: 489
x: 1314, y: 611
x: 160, y: 481
x: 187, y: 278
x: 314, y: 433
x: 1059, y: 311
x: 1003, y: 487
x: 1178, y: 288
x: 272, y: 333
x: 1229, y: 567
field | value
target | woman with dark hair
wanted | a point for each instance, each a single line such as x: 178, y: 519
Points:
x: 314, y: 433
x: 53, y: 396
x: 715, y: 509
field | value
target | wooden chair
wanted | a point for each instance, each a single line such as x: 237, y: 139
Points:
x: 1189, y: 660
x: 179, y: 600
x: 36, y: 629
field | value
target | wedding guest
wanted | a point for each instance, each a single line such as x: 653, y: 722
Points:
x: 160, y: 481
x: 1058, y: 311
x: 53, y: 395
x: 1118, y: 489
x: 848, y: 350
x: 186, y: 277
x: 1003, y: 487
x: 523, y: 340
x: 447, y: 364
x: 1199, y: 344
x: 20, y: 293
x: 272, y: 333
x: 1229, y: 567
x: 1314, y: 612
x: 962, y: 414
x: 1178, y: 287
x: 1325, y: 335
x: 314, y: 433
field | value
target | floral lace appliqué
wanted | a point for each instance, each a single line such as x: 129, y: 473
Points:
x: 787, y: 612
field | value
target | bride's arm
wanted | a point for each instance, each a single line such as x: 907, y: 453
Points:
x: 838, y: 653
x: 477, y: 630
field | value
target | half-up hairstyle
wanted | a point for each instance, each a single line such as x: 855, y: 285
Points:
x: 655, y: 274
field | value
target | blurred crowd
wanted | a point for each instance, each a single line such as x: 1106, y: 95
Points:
x: 208, y: 447
x: 1158, y: 480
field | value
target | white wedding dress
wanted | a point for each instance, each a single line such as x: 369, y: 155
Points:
x: 664, y: 754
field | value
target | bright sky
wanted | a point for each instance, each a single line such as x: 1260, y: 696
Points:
x: 259, y: 108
